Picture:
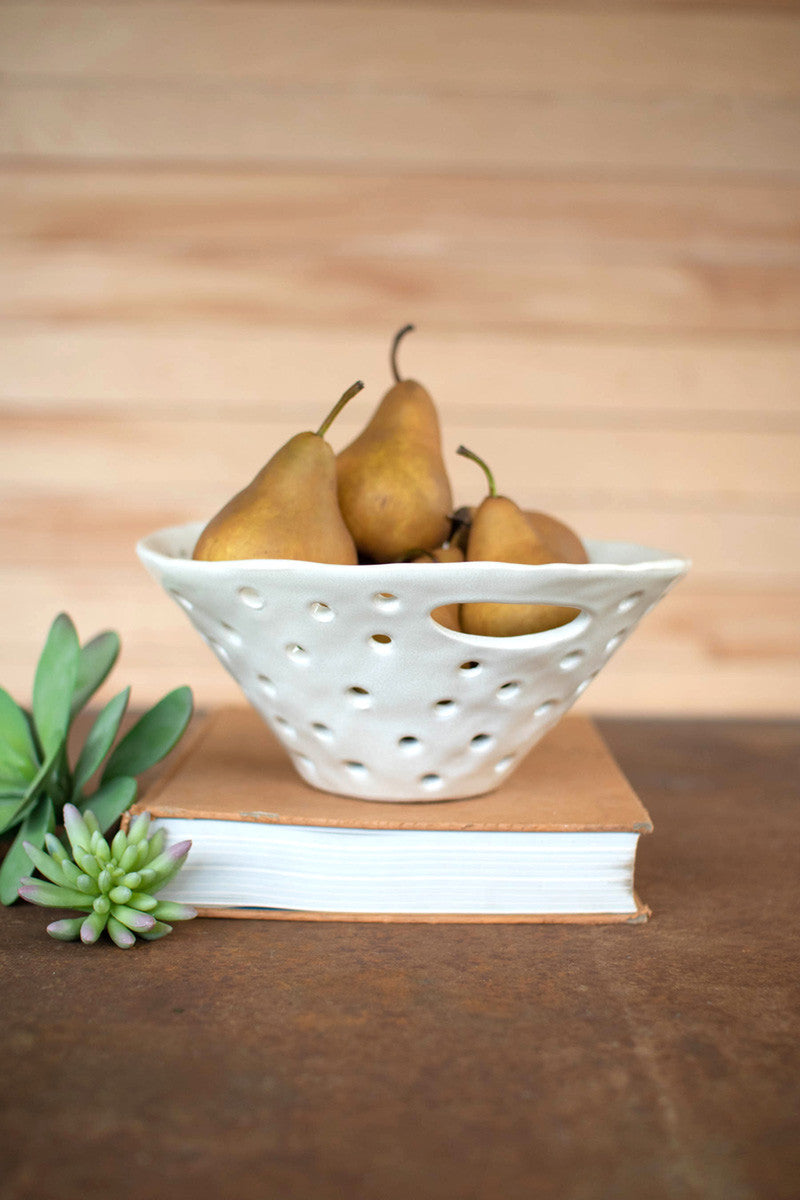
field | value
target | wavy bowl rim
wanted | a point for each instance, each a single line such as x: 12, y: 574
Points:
x: 639, y: 558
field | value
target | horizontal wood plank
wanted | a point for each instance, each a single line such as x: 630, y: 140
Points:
x: 407, y: 131
x: 157, y: 247
x: 97, y: 370
x: 225, y: 209
x: 728, y: 548
x: 86, y: 490
x: 206, y: 460
x: 349, y: 47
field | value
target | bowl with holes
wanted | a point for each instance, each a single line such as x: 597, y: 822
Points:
x: 373, y: 698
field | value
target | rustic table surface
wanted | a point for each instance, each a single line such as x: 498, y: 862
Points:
x: 258, y: 1059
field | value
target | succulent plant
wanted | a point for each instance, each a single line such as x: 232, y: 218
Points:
x: 38, y: 775
x: 112, y: 885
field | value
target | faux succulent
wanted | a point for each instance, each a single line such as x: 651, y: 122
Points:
x: 39, y: 776
x: 112, y: 885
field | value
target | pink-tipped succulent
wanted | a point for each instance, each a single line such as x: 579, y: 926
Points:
x: 112, y: 885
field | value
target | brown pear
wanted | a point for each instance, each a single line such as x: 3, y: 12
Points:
x: 445, y: 614
x: 564, y: 543
x: 393, y: 486
x: 289, y: 510
x: 501, y: 532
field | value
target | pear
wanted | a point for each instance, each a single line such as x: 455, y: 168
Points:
x: 564, y: 543
x: 289, y: 510
x: 392, y: 481
x: 445, y: 614
x: 501, y: 532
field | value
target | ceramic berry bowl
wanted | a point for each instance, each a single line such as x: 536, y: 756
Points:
x: 371, y: 697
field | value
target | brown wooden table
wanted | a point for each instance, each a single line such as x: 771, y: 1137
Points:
x: 394, y: 1062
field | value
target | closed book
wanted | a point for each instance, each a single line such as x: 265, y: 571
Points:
x: 556, y: 842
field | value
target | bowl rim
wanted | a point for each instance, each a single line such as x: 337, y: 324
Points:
x: 625, y: 557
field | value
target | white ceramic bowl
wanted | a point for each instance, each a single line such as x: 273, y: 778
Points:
x: 373, y: 698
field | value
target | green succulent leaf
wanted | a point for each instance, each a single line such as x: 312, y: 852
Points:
x: 27, y: 800
x: 159, y: 930
x: 112, y: 799
x: 12, y: 810
x: 121, y: 936
x: 39, y: 821
x: 65, y: 930
x: 47, y: 865
x: 51, y: 895
x: 99, y: 741
x: 152, y: 737
x: 170, y: 910
x: 54, y: 684
x: 96, y: 659
x: 18, y: 754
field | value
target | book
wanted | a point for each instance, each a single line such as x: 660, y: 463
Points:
x: 556, y: 842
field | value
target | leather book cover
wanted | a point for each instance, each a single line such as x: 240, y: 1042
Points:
x: 232, y: 768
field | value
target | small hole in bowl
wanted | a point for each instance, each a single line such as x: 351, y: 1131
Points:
x: 582, y: 686
x: 288, y: 730
x: 629, y: 602
x: 470, y: 668
x: 322, y: 731
x: 509, y: 691
x: 381, y: 642
x: 356, y: 769
x: 297, y: 654
x: 218, y: 648
x: 320, y: 611
x: 359, y: 697
x: 410, y: 745
x: 613, y: 643
x: 570, y: 661
x: 267, y: 685
x: 386, y: 601
x: 431, y: 783
x: 305, y: 764
x: 184, y: 601
x: 482, y: 742
x: 504, y: 764
x: 445, y: 708
x: 233, y: 636
x: 544, y: 708
x: 250, y: 597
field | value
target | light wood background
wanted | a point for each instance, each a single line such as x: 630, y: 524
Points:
x: 215, y: 215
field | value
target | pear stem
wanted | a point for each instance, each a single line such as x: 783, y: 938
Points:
x: 465, y: 453
x: 338, y: 406
x: 401, y: 333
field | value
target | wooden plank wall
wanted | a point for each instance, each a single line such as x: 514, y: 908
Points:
x: 214, y: 216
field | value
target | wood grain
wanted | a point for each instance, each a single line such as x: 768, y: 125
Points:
x: 345, y: 46
x: 164, y: 247
x: 132, y: 121
x: 213, y: 216
x: 102, y: 369
x: 204, y: 460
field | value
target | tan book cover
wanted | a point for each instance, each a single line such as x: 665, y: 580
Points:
x: 232, y: 768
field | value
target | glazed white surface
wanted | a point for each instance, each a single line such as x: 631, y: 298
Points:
x: 406, y: 719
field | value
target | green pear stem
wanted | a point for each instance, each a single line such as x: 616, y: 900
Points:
x: 465, y: 453
x: 338, y: 406
x: 401, y: 333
